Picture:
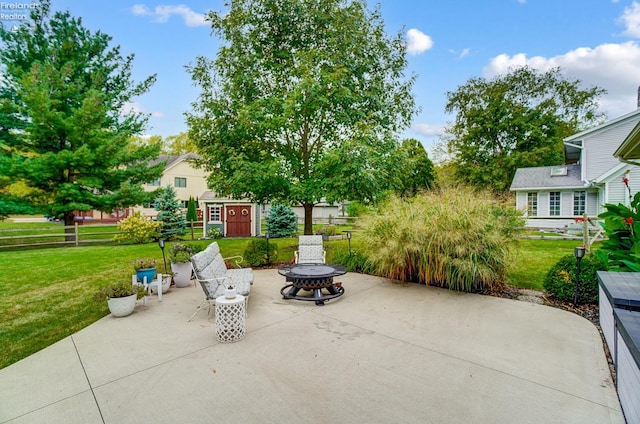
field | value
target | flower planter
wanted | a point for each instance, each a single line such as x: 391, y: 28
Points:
x: 182, y: 273
x: 166, y: 284
x: 122, y: 306
x: 150, y: 273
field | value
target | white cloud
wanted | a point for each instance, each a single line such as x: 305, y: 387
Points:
x: 463, y: 53
x: 428, y: 130
x: 613, y: 67
x: 162, y: 13
x: 418, y: 42
x: 631, y: 20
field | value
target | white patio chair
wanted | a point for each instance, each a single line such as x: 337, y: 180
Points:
x: 310, y: 250
x: 212, y: 274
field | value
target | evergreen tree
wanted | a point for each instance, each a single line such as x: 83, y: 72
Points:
x: 170, y: 214
x: 192, y: 214
x: 282, y: 221
x: 64, y: 130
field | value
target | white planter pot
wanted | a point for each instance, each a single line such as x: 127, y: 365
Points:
x: 182, y: 273
x: 166, y: 284
x: 122, y: 306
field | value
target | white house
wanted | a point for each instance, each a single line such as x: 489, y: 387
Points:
x: 553, y: 196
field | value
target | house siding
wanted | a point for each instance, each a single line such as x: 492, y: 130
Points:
x: 566, y: 203
x: 592, y: 207
x: 598, y: 150
x: 521, y: 201
x: 614, y: 190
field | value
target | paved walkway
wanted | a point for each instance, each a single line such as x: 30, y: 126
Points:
x: 382, y: 353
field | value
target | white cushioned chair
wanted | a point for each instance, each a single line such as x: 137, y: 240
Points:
x: 310, y: 250
x: 212, y: 274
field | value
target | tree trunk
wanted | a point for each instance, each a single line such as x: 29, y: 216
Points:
x: 69, y: 229
x: 308, y: 218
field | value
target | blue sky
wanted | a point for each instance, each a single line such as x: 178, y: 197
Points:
x: 448, y: 42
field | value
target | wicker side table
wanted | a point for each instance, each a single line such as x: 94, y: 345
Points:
x: 230, y: 319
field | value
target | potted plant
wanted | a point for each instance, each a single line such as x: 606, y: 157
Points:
x: 121, y: 297
x: 145, y: 267
x: 180, y: 257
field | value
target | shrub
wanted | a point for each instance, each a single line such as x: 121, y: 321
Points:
x: 621, y: 249
x: 282, y: 221
x: 454, y: 238
x: 138, y: 229
x: 354, y: 262
x: 256, y: 252
x: 214, y: 233
x: 329, y: 230
x: 560, y: 281
x: 356, y: 209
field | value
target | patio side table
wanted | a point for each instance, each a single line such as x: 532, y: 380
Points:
x: 230, y: 319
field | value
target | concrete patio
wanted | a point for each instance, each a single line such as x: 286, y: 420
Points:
x: 381, y: 353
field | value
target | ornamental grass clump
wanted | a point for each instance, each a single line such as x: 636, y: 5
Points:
x: 455, y: 238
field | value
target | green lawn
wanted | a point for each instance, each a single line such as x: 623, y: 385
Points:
x: 47, y: 294
x: 535, y: 257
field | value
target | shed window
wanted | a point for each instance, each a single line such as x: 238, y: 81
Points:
x: 579, y: 201
x: 215, y: 213
x: 532, y: 204
x: 554, y: 203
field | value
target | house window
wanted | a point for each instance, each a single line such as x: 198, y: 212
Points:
x: 180, y: 182
x: 579, y: 199
x: 532, y: 204
x: 215, y: 213
x: 155, y: 182
x: 554, y: 203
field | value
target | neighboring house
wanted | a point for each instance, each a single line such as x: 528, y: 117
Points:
x: 179, y: 173
x: 553, y: 196
x: 235, y: 218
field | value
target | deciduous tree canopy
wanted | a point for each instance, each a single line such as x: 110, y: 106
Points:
x: 515, y: 120
x: 302, y: 103
x: 416, y: 170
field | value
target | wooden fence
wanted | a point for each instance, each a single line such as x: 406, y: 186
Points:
x: 56, y: 235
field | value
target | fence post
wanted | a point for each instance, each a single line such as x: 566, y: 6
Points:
x: 585, y: 232
x: 75, y: 224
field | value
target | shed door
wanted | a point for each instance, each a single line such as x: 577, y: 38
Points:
x: 239, y: 221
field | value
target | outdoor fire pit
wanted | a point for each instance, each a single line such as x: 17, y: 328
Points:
x: 316, y: 279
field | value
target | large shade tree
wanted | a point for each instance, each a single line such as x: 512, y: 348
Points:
x: 302, y: 103
x: 417, y: 173
x: 515, y: 120
x: 64, y: 130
